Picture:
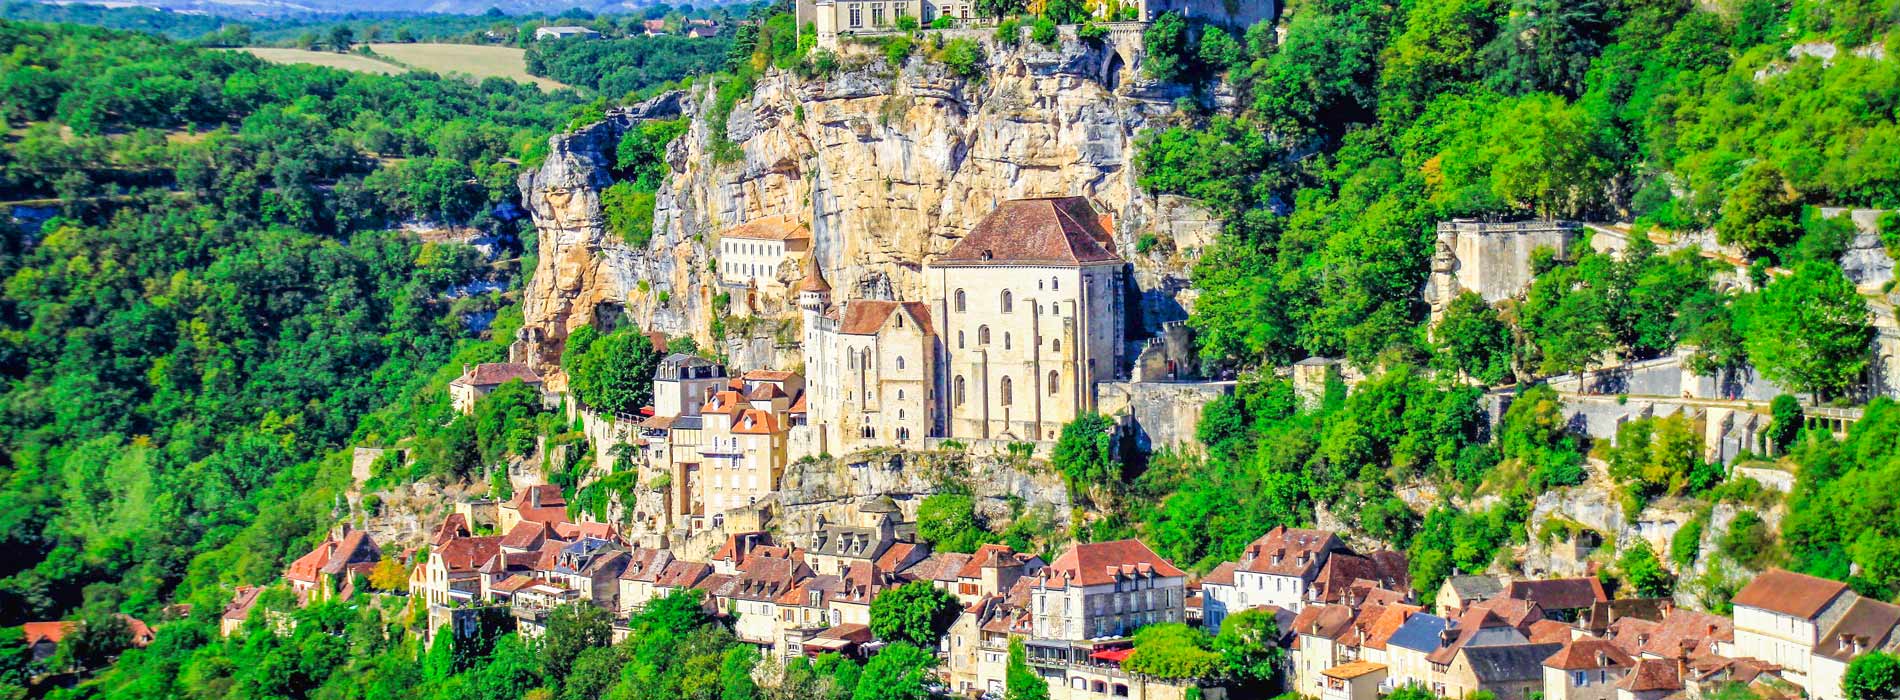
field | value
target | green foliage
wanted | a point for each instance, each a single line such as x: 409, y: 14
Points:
x: 1786, y: 424
x: 1747, y: 540
x: 1020, y: 682
x: 505, y: 421
x: 1173, y: 650
x: 963, y: 55
x: 629, y: 213
x: 1661, y: 456
x: 1088, y: 453
x: 1248, y: 646
x: 901, y: 671
x: 1169, y: 53
x: 1043, y: 31
x: 1643, y: 571
x: 1872, y: 676
x: 897, y: 49
x: 948, y: 522
x: 1686, y: 545
x: 612, y: 372
x: 1810, y: 330
x: 624, y: 67
x: 1473, y: 340
x: 915, y: 613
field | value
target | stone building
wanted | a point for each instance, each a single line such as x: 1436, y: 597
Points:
x: 871, y: 370
x: 1031, y: 310
x: 755, y: 255
x: 481, y: 380
x: 1492, y: 259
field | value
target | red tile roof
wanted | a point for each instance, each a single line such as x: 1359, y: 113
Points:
x: 1651, y: 675
x: 1222, y: 575
x: 54, y: 631
x: 528, y: 534
x: 865, y: 317
x: 1789, y: 593
x: 1688, y: 630
x: 1286, y: 551
x: 755, y: 422
x: 814, y: 279
x: 466, y: 554
x: 498, y: 373
x: 241, y: 603
x: 768, y: 375
x: 1099, y: 563
x: 1589, y: 654
x: 1063, y: 231
x: 1559, y: 593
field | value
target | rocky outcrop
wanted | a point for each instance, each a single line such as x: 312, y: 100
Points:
x: 889, y: 166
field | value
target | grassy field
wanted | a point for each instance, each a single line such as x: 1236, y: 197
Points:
x: 478, y: 61
x: 345, y: 61
x: 447, y: 59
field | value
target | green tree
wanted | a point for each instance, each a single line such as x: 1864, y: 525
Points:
x: 341, y: 37
x: 916, y: 613
x: 996, y: 9
x: 1761, y: 212
x: 1473, y: 340
x: 1173, y: 650
x: 1170, y: 54
x: 1644, y: 571
x: 1786, y: 423
x: 612, y: 372
x: 900, y: 671
x: 1810, y: 331
x: 1088, y: 452
x: 948, y: 522
x: 1020, y: 682
x: 1249, y: 647
x: 1872, y: 676
x: 571, y: 630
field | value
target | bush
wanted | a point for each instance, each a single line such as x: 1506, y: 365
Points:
x: 1043, y: 31
x: 906, y: 23
x: 1747, y: 540
x: 1094, y: 34
x: 943, y: 22
x: 964, y: 57
x: 1009, y: 32
x: 896, y: 49
x: 629, y: 213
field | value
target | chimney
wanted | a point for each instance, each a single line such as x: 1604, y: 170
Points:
x: 1445, y: 636
x: 1602, y: 659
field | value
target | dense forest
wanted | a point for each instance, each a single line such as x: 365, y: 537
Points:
x: 219, y: 299
x: 1368, y: 123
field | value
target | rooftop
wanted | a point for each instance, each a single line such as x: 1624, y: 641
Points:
x: 1054, y: 231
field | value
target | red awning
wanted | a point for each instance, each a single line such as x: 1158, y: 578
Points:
x: 1115, y: 655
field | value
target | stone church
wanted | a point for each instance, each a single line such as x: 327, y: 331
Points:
x: 1024, y: 315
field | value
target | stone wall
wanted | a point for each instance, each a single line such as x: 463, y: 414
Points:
x: 1492, y: 259
x: 1159, y: 414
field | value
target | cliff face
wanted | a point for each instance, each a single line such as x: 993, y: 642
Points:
x: 889, y: 167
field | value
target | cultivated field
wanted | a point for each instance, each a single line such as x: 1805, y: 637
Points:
x: 468, y: 59
x: 345, y: 61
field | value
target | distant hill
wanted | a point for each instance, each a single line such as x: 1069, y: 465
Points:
x: 170, y: 16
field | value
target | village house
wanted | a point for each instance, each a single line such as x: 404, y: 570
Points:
x: 1586, y: 668
x: 1084, y: 606
x: 1354, y: 680
x: 1277, y: 568
x: 238, y: 610
x: 1780, y: 616
x: 1459, y: 592
x: 332, y: 567
x: 1867, y: 625
x: 452, y: 573
x: 541, y: 503
x: 483, y: 379
x: 1560, y: 598
x: 833, y: 547
x: 637, y: 580
x: 751, y: 594
x: 752, y: 254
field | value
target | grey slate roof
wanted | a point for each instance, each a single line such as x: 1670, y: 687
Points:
x: 1478, y: 587
x: 1420, y: 633
x: 1508, y: 663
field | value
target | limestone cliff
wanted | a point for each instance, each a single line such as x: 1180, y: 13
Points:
x: 889, y: 167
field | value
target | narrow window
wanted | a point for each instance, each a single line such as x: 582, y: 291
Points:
x: 1007, y: 301
x: 1005, y: 340
x: 1054, y: 381
x: 900, y: 362
x: 958, y: 391
x: 959, y: 300
x: 983, y: 335
x: 1006, y: 391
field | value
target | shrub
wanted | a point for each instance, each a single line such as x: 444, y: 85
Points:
x: 1146, y: 242
x: 896, y: 49
x: 629, y: 213
x: 1094, y: 34
x: 1009, y: 32
x: 1043, y: 31
x: 943, y: 22
x: 906, y: 23
x: 964, y: 57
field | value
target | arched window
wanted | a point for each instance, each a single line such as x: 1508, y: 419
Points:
x: 900, y: 361
x: 1055, y: 344
x: 982, y: 335
x: 1008, y: 300
x: 900, y: 320
x: 866, y: 360
x: 959, y: 300
x: 900, y: 414
x: 1006, y: 391
x: 957, y: 391
x: 900, y: 397
x: 1054, y: 381
x: 1005, y: 340
x: 1054, y: 284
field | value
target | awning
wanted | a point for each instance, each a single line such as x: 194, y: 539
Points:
x: 1112, y: 655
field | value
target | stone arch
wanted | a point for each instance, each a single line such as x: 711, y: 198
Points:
x: 1112, y: 72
